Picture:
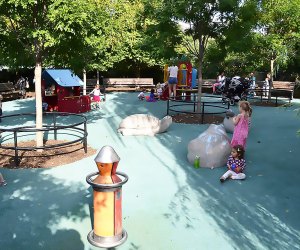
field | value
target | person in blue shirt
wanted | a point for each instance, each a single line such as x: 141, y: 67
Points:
x: 151, y: 98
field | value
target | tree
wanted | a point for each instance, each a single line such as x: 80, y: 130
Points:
x: 52, y: 32
x: 279, y: 26
x: 152, y: 39
x: 206, y: 19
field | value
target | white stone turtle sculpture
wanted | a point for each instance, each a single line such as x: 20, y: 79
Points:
x: 141, y: 124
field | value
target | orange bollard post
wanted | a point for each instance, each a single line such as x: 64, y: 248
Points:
x: 108, y: 231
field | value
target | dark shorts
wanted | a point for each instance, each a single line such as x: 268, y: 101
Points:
x: 173, y: 80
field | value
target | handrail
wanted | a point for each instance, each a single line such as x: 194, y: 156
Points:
x: 204, y: 103
x: 81, y: 133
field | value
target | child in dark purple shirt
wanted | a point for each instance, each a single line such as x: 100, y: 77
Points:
x: 151, y: 98
x: 236, y: 164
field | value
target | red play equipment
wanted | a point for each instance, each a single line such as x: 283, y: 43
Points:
x: 61, y: 91
x: 185, y: 78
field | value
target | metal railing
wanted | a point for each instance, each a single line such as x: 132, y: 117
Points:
x: 218, y: 102
x: 14, y: 133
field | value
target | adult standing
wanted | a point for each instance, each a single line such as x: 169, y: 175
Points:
x: 173, y: 72
x: 267, y: 84
x: 252, y: 80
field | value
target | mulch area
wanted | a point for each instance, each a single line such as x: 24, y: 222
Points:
x: 47, y: 158
x: 264, y: 104
x: 196, y: 119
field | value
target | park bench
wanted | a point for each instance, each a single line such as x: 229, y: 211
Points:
x: 280, y: 89
x: 207, y: 84
x: 127, y: 84
x: 8, y: 91
x: 283, y: 89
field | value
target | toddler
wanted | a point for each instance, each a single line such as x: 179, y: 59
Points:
x: 141, y: 95
x: 241, y: 124
x: 96, y: 95
x: 151, y: 98
x: 235, y: 164
x: 159, y: 90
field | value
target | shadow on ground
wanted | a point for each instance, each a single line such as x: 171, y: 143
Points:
x: 36, y: 204
x: 167, y: 204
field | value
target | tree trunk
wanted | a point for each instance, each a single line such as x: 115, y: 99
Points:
x: 97, y: 76
x: 138, y: 71
x: 38, y: 99
x: 84, y: 82
x: 272, y: 73
x: 199, y: 86
x: 200, y: 77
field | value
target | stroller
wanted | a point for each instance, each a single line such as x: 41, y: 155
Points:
x: 235, y: 89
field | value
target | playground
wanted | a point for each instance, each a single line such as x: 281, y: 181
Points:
x: 167, y: 203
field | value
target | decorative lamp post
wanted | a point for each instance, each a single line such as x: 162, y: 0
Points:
x: 108, y: 231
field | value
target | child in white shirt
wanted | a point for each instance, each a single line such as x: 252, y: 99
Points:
x: 159, y: 90
x: 141, y: 95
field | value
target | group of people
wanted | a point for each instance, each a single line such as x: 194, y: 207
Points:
x: 267, y: 84
x: 236, y: 163
x: 155, y: 94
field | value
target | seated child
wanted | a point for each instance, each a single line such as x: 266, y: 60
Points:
x: 235, y: 164
x: 141, y: 95
x: 151, y: 98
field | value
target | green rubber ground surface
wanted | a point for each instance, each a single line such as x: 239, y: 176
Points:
x: 167, y: 204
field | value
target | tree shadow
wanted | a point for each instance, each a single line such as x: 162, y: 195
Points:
x: 35, y: 212
x: 255, y: 213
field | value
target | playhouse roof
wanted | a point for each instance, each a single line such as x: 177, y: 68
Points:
x: 63, y: 77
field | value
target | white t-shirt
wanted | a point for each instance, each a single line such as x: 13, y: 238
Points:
x: 96, y: 92
x: 221, y: 79
x: 173, y: 71
x: 141, y: 95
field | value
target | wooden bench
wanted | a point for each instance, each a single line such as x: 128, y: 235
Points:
x: 283, y: 89
x: 128, y: 84
x: 279, y: 89
x: 8, y: 91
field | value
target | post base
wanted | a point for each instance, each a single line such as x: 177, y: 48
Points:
x: 106, y: 242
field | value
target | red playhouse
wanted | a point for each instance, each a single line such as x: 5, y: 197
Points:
x: 61, y: 91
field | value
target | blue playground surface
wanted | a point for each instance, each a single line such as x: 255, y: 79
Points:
x: 167, y: 203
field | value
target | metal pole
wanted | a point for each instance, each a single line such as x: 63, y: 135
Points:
x: 85, y: 138
x: 202, y: 114
x: 84, y: 82
x: 168, y: 106
x: 54, y: 124
x: 16, y: 149
x: 194, y: 106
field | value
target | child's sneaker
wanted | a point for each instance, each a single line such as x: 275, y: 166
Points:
x: 222, y: 180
